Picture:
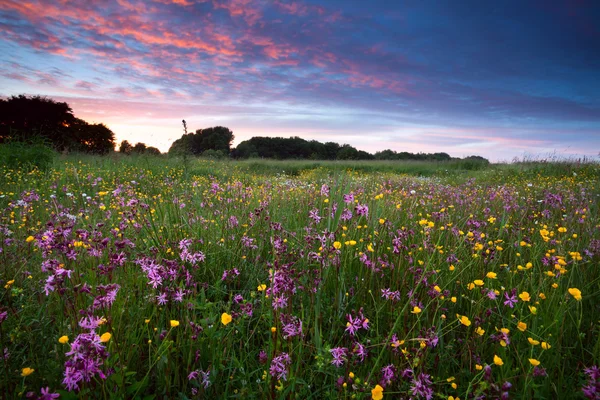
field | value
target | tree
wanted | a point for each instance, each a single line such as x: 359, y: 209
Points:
x: 91, y: 138
x: 29, y: 117
x: 153, y: 150
x: 139, y: 148
x: 36, y: 116
x: 217, y: 138
x: 125, y: 147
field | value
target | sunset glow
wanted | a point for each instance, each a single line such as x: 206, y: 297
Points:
x: 496, y: 79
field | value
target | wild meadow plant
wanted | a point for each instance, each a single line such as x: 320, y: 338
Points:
x: 140, y: 280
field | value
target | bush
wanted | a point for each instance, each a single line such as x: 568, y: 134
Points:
x: 27, y: 154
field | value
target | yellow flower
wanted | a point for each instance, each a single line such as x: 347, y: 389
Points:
x: 174, y: 323
x: 522, y: 326
x: 381, y: 221
x: 262, y: 287
x: 416, y: 310
x: 27, y: 371
x: 337, y: 245
x: 453, y: 299
x: 478, y: 367
x: 562, y: 229
x: 63, y: 339
x: 465, y: 320
x: 524, y: 296
x: 479, y: 331
x: 351, y: 375
x: 30, y: 239
x: 533, y: 309
x: 545, y: 346
x: 147, y: 321
x: 533, y: 342
x: 498, y: 360
x: 491, y: 275
x: 534, y: 362
x: 437, y: 288
x: 576, y: 293
x: 225, y: 318
x: 377, y: 393
x: 105, y: 337
x: 478, y: 282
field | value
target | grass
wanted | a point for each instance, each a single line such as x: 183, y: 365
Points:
x: 153, y: 255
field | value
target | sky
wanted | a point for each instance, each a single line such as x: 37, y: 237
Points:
x: 499, y: 79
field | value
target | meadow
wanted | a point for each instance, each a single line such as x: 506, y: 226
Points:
x: 152, y: 278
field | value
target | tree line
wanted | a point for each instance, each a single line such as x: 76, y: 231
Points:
x: 24, y: 117
x: 216, y: 142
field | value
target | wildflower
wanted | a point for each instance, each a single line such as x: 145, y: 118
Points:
x: 576, y: 293
x: 479, y: 331
x: 279, y: 366
x: 533, y: 310
x: 388, y: 374
x: 63, y: 339
x: 524, y: 296
x: 27, y: 371
x: 478, y: 282
x: 491, y: 275
x: 416, y: 310
x: 533, y: 342
x: 498, y: 361
x: 522, y: 326
x: 534, y: 362
x: 377, y: 393
x: 546, y: 346
x: 46, y: 395
x: 337, y: 245
x: 174, y: 323
x: 421, y: 386
x: 339, y: 356
x: 225, y: 319
x: 464, y: 320
x: 105, y: 337
x: 512, y: 299
x: 29, y: 239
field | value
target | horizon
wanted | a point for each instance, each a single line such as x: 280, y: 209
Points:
x: 494, y: 80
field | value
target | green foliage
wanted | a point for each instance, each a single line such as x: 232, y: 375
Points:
x: 425, y: 219
x: 27, y: 154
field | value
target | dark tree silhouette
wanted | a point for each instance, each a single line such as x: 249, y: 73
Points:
x: 139, y: 148
x: 125, y: 147
x: 22, y: 116
x: 217, y: 138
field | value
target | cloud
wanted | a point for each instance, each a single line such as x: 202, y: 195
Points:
x: 416, y: 74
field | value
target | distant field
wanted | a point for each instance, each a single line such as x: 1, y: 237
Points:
x: 150, y: 277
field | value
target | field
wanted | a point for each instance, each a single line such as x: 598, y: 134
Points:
x: 148, y: 277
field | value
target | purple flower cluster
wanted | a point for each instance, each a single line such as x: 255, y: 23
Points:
x: 86, y: 357
x: 592, y: 389
x: 279, y: 366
